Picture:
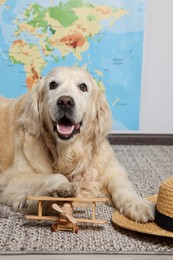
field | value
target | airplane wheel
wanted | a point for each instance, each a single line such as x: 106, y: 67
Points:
x: 54, y: 227
x: 76, y: 229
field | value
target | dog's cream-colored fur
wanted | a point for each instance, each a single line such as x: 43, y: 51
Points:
x: 34, y: 160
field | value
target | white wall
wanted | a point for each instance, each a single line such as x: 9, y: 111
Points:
x: 157, y: 81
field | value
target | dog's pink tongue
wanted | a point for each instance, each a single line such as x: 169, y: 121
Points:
x: 65, y: 129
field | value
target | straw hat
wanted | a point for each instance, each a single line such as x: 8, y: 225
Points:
x: 163, y: 224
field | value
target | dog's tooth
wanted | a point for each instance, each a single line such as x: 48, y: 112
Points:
x: 77, y: 126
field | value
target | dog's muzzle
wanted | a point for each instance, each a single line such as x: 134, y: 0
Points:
x: 65, y: 126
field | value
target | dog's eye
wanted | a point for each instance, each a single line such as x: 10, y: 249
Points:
x: 83, y: 87
x: 53, y: 85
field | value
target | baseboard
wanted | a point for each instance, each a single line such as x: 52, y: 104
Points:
x: 141, y: 139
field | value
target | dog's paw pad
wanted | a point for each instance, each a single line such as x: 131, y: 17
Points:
x: 65, y: 190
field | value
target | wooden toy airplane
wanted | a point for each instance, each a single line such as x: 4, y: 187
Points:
x: 66, y: 221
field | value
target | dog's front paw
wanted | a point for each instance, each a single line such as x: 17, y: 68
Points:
x: 20, y: 203
x: 65, y: 189
x: 139, y: 210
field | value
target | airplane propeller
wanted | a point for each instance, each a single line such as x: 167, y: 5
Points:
x: 65, y: 214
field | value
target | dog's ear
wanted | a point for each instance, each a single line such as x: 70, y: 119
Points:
x: 30, y: 119
x: 103, y: 121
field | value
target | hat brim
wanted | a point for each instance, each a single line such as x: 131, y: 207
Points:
x: 148, y: 228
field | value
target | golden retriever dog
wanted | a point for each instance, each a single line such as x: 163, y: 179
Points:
x: 53, y: 142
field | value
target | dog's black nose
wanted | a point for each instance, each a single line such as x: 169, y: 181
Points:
x: 65, y: 102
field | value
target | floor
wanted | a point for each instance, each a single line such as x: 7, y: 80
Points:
x: 86, y: 257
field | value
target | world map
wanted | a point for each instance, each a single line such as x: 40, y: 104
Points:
x: 105, y: 37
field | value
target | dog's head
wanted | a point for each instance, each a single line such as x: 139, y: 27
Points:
x: 69, y: 103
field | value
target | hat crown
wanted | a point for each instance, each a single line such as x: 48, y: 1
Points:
x: 164, y: 205
x: 165, y: 198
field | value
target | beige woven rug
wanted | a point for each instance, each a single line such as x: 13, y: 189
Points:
x: 147, y: 167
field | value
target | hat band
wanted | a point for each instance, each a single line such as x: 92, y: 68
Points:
x: 163, y: 221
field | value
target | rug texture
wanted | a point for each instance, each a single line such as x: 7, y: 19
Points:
x: 147, y: 167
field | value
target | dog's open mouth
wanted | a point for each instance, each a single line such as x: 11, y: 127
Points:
x: 66, y: 129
